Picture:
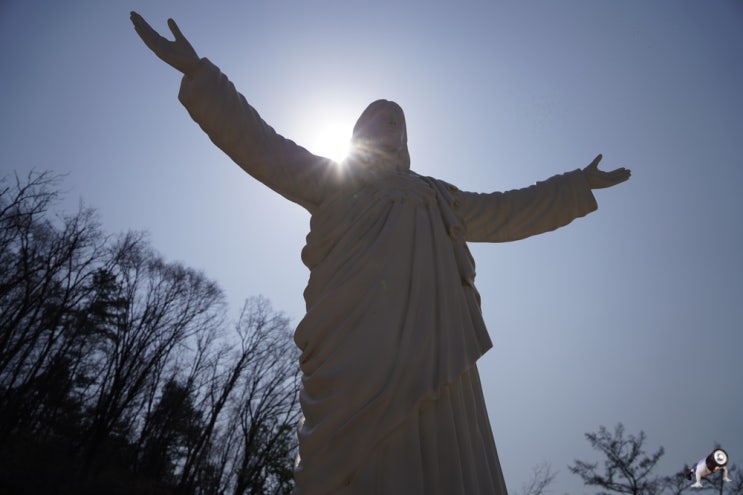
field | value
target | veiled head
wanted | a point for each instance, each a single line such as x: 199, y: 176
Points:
x: 380, y: 133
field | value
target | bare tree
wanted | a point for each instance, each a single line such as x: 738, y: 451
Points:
x: 117, y: 371
x: 627, y: 469
x: 735, y: 487
x: 251, y: 405
x: 158, y: 306
x: 542, y: 476
x: 46, y: 269
x: 268, y: 407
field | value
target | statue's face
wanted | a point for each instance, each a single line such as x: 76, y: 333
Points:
x: 382, y: 126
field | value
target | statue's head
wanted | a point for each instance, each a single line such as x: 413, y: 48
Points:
x: 380, y: 133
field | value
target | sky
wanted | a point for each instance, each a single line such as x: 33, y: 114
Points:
x: 632, y: 314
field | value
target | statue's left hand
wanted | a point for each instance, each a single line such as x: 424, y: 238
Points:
x: 598, y: 179
x: 179, y: 53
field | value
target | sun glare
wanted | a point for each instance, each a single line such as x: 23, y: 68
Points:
x: 332, y: 141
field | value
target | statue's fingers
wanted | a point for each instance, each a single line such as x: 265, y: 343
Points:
x: 138, y: 23
x: 595, y: 162
x: 150, y: 37
x: 619, y: 175
x: 141, y: 25
x: 175, y: 30
x: 136, y: 18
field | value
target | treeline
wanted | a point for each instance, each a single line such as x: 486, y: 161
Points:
x: 120, y: 371
x: 626, y: 468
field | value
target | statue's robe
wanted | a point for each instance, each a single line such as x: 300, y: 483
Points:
x: 391, y: 395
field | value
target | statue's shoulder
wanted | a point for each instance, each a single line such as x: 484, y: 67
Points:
x: 447, y: 193
x: 437, y: 183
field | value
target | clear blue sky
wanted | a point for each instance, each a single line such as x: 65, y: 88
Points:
x: 632, y: 314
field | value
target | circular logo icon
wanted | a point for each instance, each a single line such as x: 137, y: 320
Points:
x: 720, y: 457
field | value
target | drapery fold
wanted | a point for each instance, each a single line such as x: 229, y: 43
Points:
x: 388, y: 323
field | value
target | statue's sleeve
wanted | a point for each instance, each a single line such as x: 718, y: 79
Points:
x: 512, y: 215
x: 237, y: 128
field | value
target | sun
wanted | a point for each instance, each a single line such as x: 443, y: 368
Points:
x: 332, y: 140
x: 324, y: 124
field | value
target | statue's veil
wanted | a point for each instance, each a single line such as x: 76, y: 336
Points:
x: 361, y: 143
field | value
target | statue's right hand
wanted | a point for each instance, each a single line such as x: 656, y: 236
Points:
x: 179, y: 53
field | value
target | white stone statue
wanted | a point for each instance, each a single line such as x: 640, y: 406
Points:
x: 391, y: 395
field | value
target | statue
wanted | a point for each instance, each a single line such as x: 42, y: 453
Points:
x: 391, y: 395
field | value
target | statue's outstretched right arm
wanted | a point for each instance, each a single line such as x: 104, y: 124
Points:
x: 236, y: 127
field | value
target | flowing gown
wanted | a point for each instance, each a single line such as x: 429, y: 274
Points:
x: 391, y: 395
